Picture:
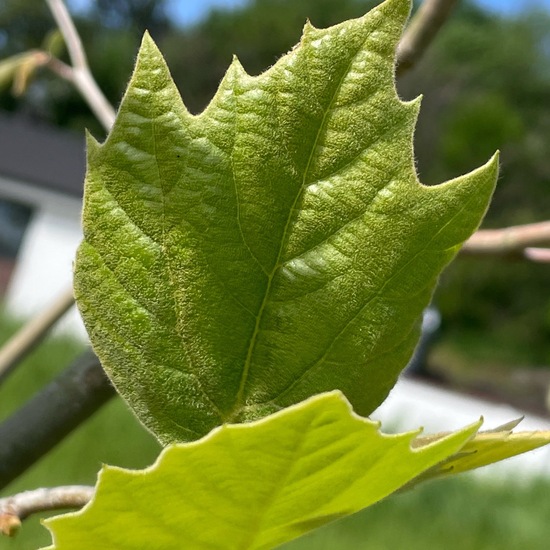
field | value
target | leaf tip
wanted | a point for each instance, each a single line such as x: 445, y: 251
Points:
x: 147, y: 41
x: 308, y: 26
x: 149, y: 54
x: 494, y: 160
x: 237, y: 66
x: 490, y: 169
x: 91, y: 142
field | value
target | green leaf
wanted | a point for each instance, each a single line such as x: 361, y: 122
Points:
x: 252, y: 486
x: 276, y: 246
x: 485, y: 448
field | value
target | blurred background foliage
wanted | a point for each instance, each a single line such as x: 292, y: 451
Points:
x: 486, y: 85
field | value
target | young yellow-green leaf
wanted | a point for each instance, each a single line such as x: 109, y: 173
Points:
x: 485, y: 448
x: 276, y: 246
x: 11, y: 67
x: 252, y: 486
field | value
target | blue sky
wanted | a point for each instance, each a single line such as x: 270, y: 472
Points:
x: 187, y: 12
x: 513, y: 6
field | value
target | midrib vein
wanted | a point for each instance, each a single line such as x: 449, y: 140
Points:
x: 271, y: 276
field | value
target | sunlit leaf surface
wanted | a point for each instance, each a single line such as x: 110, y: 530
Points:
x: 254, y: 485
x: 274, y: 247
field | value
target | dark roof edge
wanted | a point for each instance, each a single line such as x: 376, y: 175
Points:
x: 41, y: 155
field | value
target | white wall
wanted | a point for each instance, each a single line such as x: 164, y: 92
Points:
x: 44, y: 262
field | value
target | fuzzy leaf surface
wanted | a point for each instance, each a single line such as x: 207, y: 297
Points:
x: 255, y: 485
x: 276, y: 246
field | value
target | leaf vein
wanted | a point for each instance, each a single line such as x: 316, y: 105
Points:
x: 371, y: 299
x: 322, y: 128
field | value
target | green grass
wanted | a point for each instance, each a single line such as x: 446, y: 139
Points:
x: 454, y: 514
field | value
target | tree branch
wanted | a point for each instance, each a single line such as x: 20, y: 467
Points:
x: 521, y: 241
x: 14, y: 509
x: 81, y: 75
x: 422, y: 29
x: 52, y: 414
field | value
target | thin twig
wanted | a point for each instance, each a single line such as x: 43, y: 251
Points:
x: 528, y: 241
x: 60, y: 68
x: 81, y: 74
x: 32, y: 333
x: 539, y: 255
x: 14, y: 509
x: 422, y: 29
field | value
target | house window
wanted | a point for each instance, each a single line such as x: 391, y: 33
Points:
x: 14, y: 218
